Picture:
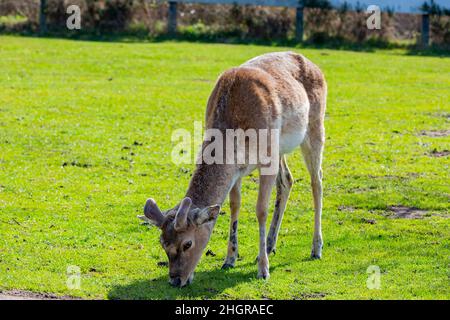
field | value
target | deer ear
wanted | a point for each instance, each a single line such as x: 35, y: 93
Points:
x: 207, y: 214
x: 153, y: 214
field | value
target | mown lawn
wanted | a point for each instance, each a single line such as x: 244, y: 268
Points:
x: 85, y: 138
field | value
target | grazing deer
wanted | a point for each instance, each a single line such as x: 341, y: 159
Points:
x: 283, y: 91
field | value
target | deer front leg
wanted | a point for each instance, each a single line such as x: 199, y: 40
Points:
x: 266, y: 183
x: 284, y: 185
x: 235, y: 204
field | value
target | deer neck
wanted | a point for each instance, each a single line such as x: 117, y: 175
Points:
x: 211, y: 183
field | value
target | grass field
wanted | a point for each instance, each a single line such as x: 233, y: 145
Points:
x: 85, y: 138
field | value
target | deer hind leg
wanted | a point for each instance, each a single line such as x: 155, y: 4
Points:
x: 312, y: 149
x: 266, y: 183
x: 284, y: 185
x: 235, y: 204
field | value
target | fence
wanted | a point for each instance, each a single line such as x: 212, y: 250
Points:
x: 298, y: 4
x: 412, y: 7
x: 405, y: 6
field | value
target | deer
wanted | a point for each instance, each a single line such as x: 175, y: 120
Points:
x: 283, y: 91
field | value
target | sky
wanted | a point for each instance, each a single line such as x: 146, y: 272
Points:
x: 407, y: 6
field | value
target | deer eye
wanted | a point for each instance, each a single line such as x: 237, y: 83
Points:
x: 187, y: 245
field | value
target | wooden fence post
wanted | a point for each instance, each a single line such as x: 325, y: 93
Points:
x: 43, y: 17
x: 299, y: 21
x: 172, y: 19
x: 425, y: 29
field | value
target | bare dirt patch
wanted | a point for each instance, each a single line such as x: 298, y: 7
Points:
x: 27, y: 295
x: 436, y: 153
x: 162, y: 264
x: 407, y: 212
x: 444, y: 115
x: 435, y: 133
x: 369, y: 221
x: 203, y: 80
x: 76, y: 164
x: 309, y: 296
x: 346, y: 208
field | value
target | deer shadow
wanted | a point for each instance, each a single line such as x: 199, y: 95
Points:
x: 206, y: 285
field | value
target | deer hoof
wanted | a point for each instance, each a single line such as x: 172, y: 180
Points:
x: 226, y: 266
x: 264, y: 274
x: 315, y: 256
x: 316, y: 252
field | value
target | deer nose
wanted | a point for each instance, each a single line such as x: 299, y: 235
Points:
x: 175, y: 281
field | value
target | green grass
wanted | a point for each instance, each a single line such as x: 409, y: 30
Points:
x: 72, y: 178
x: 12, y: 20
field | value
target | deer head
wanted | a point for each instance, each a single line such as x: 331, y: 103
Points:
x: 186, y: 230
